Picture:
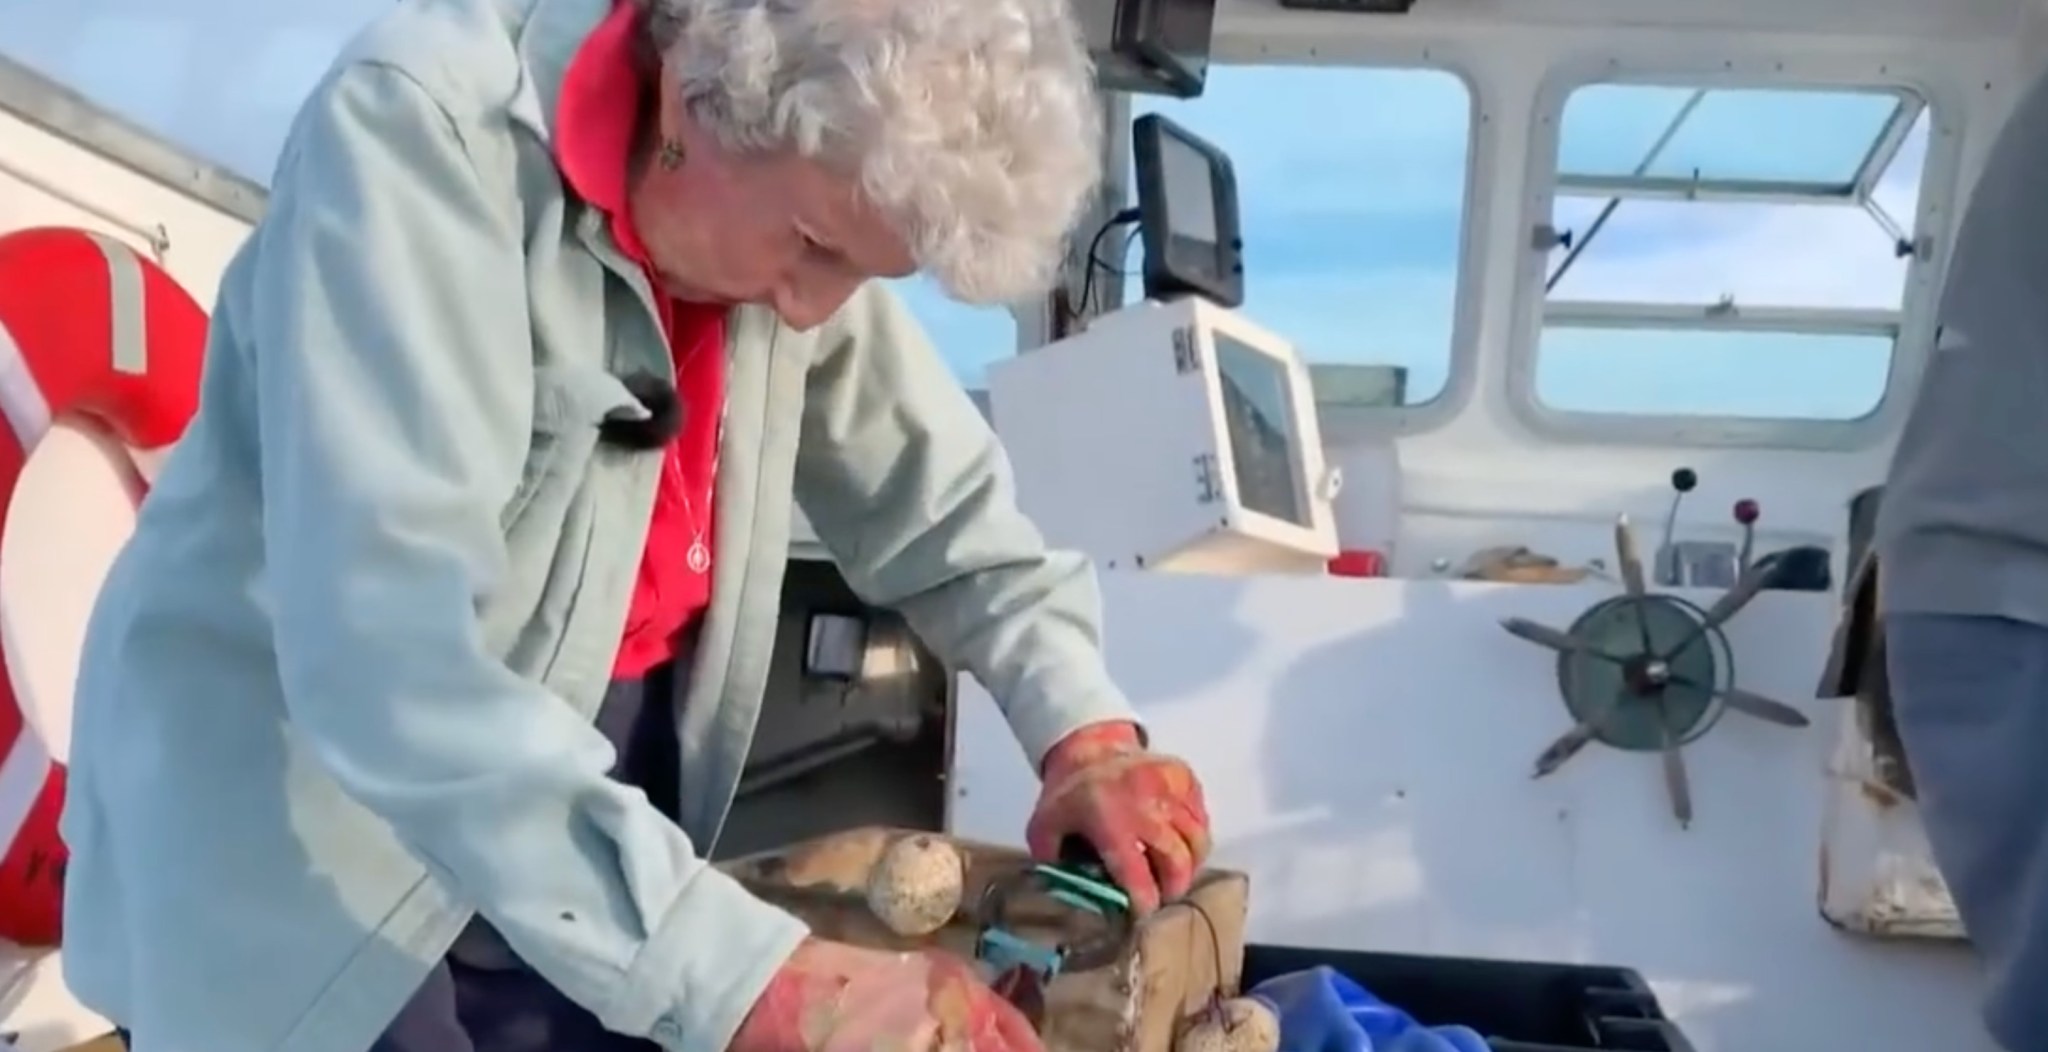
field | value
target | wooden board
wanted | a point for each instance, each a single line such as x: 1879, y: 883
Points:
x: 1174, y: 962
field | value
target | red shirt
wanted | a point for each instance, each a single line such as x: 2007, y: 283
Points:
x: 596, y: 119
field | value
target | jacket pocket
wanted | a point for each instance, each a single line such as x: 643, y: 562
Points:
x: 570, y: 403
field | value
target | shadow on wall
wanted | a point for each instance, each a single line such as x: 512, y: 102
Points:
x: 1380, y: 744
x: 1400, y: 815
x: 1156, y: 669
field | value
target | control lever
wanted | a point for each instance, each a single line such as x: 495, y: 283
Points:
x: 1683, y: 481
x: 1747, y: 512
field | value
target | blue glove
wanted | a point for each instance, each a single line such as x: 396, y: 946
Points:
x: 1321, y: 1010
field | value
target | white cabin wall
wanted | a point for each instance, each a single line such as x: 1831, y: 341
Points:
x: 1484, y: 477
x: 1365, y: 747
x: 73, y: 510
x: 46, y: 180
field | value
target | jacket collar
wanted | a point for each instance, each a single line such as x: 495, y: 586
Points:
x: 548, y: 41
x: 549, y: 35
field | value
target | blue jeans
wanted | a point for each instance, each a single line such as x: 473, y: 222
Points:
x: 1971, y: 698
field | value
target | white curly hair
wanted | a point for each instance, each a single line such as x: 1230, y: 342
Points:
x: 972, y: 125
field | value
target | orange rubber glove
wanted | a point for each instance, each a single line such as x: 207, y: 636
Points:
x: 833, y: 997
x: 1142, y: 811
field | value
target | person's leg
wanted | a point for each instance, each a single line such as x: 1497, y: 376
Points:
x: 515, y: 1010
x: 429, y: 1022
x: 1971, y: 698
x: 501, y: 1004
x: 651, y: 761
x: 482, y: 997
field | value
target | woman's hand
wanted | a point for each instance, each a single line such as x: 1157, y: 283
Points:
x: 833, y: 997
x: 1142, y: 811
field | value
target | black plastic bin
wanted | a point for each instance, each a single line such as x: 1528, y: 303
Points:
x: 1520, y: 1006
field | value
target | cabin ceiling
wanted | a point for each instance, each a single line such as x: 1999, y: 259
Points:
x: 1944, y: 18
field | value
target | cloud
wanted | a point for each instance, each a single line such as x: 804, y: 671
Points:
x: 1760, y: 254
x: 1402, y: 135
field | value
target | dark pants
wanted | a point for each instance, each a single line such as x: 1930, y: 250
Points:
x: 482, y: 997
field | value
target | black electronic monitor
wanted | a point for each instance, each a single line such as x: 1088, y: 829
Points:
x: 1150, y: 47
x: 1187, y: 214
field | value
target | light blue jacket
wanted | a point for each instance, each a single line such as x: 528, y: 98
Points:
x: 338, y: 690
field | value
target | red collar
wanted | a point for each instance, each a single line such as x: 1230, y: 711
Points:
x: 595, y: 120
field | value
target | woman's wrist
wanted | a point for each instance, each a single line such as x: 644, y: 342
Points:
x: 809, y: 991
x: 774, y: 1023
x: 1090, y: 744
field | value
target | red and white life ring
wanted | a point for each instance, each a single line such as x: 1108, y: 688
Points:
x: 88, y: 327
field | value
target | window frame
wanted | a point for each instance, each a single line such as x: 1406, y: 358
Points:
x: 1912, y: 324
x: 1344, y: 423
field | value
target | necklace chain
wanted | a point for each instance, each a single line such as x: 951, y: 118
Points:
x: 698, y: 557
x: 710, y: 484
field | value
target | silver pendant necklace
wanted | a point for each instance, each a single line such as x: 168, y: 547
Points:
x: 698, y: 556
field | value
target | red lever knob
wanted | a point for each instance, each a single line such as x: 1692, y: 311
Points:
x: 1747, y: 511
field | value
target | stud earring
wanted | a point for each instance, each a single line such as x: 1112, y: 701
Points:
x: 671, y: 154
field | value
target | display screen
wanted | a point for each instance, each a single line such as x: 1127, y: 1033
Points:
x: 1258, y: 414
x: 1187, y: 214
x: 1190, y: 192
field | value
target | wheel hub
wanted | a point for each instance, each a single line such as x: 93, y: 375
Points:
x: 1645, y: 676
x: 1639, y: 694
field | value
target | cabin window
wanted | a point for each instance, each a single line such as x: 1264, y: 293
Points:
x: 1729, y: 253
x: 1352, y: 221
x: 968, y: 337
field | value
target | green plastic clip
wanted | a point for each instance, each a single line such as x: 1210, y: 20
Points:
x: 1084, y: 888
x: 1003, y: 951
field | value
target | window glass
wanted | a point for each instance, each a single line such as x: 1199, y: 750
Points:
x: 1352, y: 216
x: 1729, y: 253
x: 1819, y: 137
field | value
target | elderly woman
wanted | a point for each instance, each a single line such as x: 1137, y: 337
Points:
x: 434, y: 660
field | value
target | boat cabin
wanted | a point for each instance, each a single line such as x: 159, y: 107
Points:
x: 1389, y: 312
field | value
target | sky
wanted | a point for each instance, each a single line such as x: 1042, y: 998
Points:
x: 1352, y: 235
x: 1352, y: 225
